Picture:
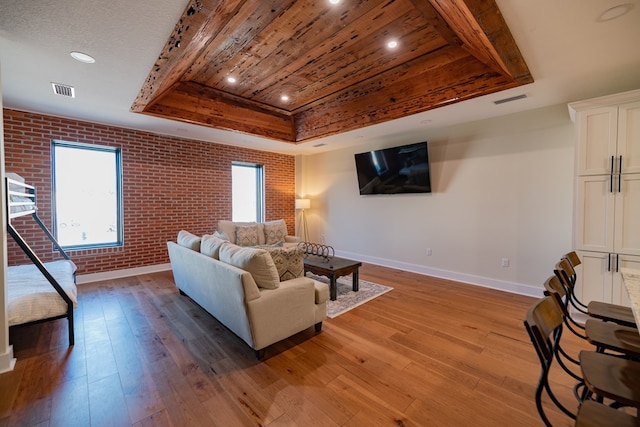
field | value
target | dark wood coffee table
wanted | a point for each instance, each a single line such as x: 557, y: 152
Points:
x: 333, y: 268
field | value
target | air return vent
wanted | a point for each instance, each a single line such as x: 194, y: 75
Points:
x: 64, y: 90
x: 513, y: 98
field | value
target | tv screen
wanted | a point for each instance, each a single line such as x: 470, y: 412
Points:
x: 403, y: 169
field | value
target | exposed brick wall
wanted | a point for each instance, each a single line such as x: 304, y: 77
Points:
x: 169, y: 184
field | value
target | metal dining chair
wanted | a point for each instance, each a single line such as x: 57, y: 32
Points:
x: 544, y: 324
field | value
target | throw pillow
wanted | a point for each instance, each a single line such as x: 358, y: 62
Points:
x: 223, y: 236
x: 289, y: 262
x: 227, y: 228
x: 189, y: 240
x: 246, y: 235
x: 275, y: 231
x: 258, y: 262
x: 210, y: 246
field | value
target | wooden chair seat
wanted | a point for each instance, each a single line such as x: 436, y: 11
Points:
x: 611, y: 377
x: 612, y: 313
x: 605, y: 376
x: 594, y: 414
x: 565, y: 270
x: 614, y: 337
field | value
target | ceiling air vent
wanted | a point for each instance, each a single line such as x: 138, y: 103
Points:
x: 513, y: 98
x: 64, y: 90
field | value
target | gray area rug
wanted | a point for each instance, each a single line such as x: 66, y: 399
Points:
x: 347, y: 299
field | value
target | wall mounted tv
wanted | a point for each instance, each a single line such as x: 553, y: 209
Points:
x: 403, y: 169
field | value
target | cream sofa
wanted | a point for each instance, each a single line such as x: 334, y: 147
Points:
x: 241, y: 287
x: 257, y: 233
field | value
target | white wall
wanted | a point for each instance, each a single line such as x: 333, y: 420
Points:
x: 501, y: 188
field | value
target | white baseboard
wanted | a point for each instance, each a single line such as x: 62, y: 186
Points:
x: 7, y: 361
x: 118, y: 274
x: 514, y: 288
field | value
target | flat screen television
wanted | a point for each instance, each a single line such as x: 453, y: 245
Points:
x: 403, y: 169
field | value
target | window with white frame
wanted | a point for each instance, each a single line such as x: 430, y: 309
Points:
x: 247, y: 192
x: 87, y: 195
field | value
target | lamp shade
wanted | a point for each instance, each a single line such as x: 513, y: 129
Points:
x: 303, y: 203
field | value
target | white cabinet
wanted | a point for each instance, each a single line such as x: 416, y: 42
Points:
x: 607, y: 139
x: 607, y: 197
x: 599, y: 277
x: 608, y: 213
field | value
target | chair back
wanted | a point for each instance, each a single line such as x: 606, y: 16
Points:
x: 543, y: 323
x: 565, y: 272
x: 573, y: 258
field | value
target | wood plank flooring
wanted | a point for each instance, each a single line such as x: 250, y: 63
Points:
x: 429, y: 353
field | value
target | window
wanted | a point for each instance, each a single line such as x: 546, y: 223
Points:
x: 247, y: 186
x: 87, y: 195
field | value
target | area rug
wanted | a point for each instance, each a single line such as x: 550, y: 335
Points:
x: 347, y: 298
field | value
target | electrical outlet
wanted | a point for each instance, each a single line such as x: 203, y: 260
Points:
x: 505, y: 262
x: 428, y: 251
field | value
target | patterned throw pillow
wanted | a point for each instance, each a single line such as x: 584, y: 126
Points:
x: 289, y: 262
x: 275, y: 231
x: 246, y: 235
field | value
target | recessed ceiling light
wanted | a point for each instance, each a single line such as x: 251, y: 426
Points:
x: 392, y: 44
x: 615, y: 12
x: 334, y: 1
x: 231, y: 79
x: 284, y: 98
x: 82, y: 57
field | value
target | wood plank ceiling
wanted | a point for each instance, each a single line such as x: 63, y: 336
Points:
x: 332, y: 61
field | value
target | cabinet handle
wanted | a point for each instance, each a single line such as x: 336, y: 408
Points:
x: 611, y: 175
x: 609, y: 262
x: 620, y: 176
x: 612, y: 165
x: 619, y: 183
x: 617, y: 262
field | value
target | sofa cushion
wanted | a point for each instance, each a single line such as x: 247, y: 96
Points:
x: 289, y: 262
x: 189, y: 240
x: 258, y: 262
x: 227, y: 228
x: 210, y: 245
x: 275, y: 231
x: 246, y: 235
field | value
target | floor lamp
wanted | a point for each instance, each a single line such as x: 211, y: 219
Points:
x: 302, y: 204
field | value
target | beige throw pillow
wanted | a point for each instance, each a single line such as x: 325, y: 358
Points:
x: 275, y: 231
x: 246, y: 235
x: 210, y: 246
x: 289, y: 262
x: 258, y: 262
x: 189, y: 240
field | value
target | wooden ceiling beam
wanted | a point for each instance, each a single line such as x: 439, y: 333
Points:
x: 373, y: 103
x: 483, y: 31
x: 196, y: 104
x: 196, y: 28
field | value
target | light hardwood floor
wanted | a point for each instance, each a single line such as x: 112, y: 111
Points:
x: 429, y: 353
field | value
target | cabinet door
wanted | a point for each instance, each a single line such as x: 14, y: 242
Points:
x: 620, y: 295
x: 627, y: 215
x: 594, y: 213
x: 594, y: 279
x: 597, y: 133
x: 629, y: 137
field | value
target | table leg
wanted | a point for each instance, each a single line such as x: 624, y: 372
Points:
x: 356, y: 281
x: 333, y: 287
